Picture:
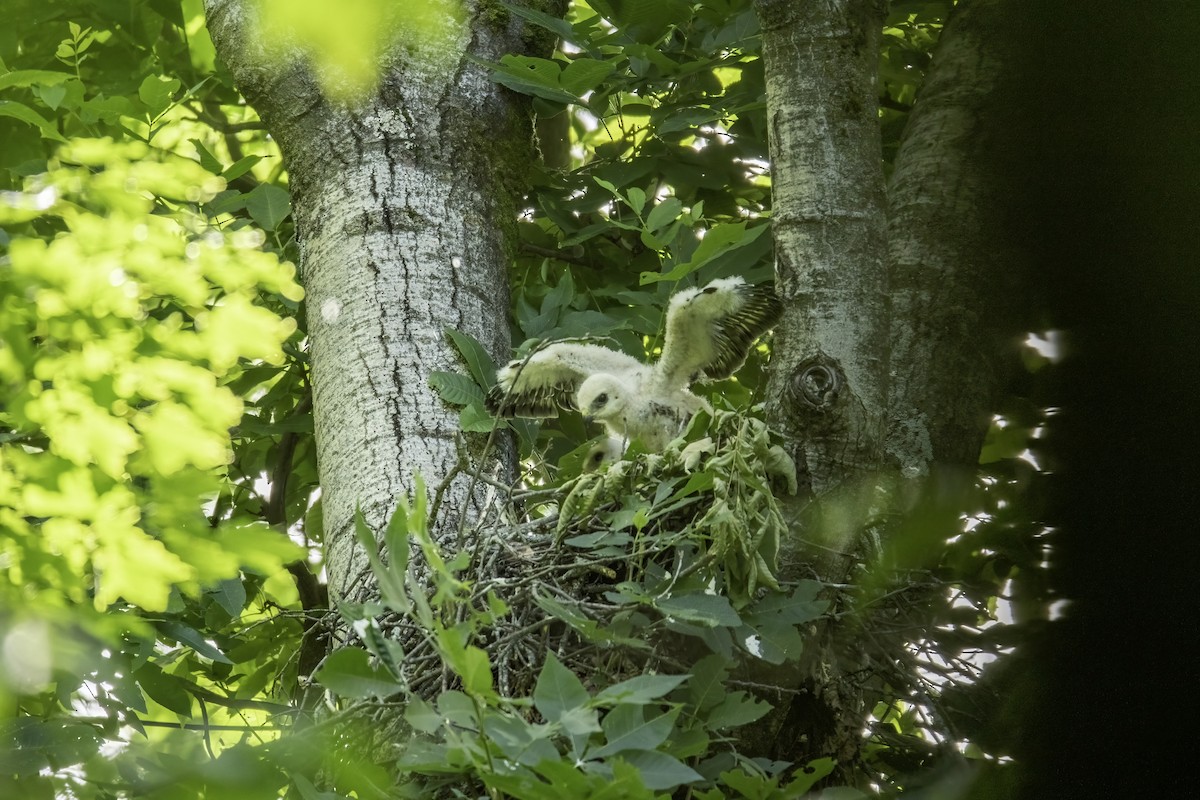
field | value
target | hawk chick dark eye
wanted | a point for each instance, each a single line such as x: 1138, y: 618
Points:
x: 601, y: 399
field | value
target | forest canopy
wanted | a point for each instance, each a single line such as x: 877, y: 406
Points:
x: 165, y: 622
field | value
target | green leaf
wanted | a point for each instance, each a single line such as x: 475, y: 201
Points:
x: 479, y: 363
x: 807, y: 777
x: 166, y: 690
x: 476, y: 671
x: 240, y: 167
x: 428, y: 758
x: 558, y: 690
x: 584, y: 74
x: 719, y: 240
x: 268, y: 205
x: 755, y: 784
x: 556, y: 25
x: 458, y: 709
x: 519, y: 740
x: 421, y: 716
x: 32, y: 77
x: 456, y: 389
x: 524, y: 86
x: 137, y: 567
x: 653, y: 55
x: 586, y: 627
x: 52, y: 96
x: 586, y: 232
x: 707, y: 686
x: 24, y: 113
x: 636, y: 199
x: 724, y: 237
x: 310, y: 792
x: 391, y: 584
x: 626, y: 728
x: 706, y: 609
x: 584, y: 323
x: 687, y: 119
x: 230, y: 594
x: 395, y: 538
x: 538, y: 77
x: 773, y: 641
x: 475, y: 419
x: 207, y: 160
x: 156, y: 91
x: 645, y: 22
x: 579, y: 723
x: 192, y: 638
x: 35, y: 745
x: 348, y: 672
x: 796, y: 609
x: 660, y: 771
x: 609, y: 186
x: 640, y: 689
x: 737, y: 708
x: 664, y: 213
x: 558, y: 299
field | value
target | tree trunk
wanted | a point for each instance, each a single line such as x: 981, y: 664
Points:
x: 890, y: 355
x: 828, y: 384
x: 954, y: 264
x: 405, y: 211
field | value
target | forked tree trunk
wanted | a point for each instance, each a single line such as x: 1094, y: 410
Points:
x: 405, y: 212
x: 890, y: 354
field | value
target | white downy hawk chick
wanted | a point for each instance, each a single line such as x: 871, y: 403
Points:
x: 709, y: 332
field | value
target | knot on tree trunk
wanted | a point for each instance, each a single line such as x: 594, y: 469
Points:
x: 817, y: 383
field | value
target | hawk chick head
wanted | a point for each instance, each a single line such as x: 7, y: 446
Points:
x: 603, y: 397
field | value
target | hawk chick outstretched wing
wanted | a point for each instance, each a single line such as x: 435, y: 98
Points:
x: 709, y: 332
x: 550, y: 378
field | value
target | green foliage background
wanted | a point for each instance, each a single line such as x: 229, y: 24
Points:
x: 149, y: 374
x: 158, y: 532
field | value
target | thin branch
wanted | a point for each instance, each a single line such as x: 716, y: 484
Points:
x: 559, y: 255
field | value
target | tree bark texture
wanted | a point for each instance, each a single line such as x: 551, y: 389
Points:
x: 829, y: 379
x: 828, y: 385
x: 405, y: 212
x: 955, y: 267
x: 901, y: 314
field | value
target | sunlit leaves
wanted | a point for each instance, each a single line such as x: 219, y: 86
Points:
x: 136, y: 318
x: 134, y: 339
x: 349, y: 45
x: 157, y: 93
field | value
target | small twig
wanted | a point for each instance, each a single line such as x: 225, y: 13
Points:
x: 459, y: 466
x: 560, y: 255
x: 207, y: 731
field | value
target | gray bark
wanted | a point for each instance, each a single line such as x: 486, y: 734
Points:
x: 405, y: 211
x: 955, y: 269
x: 828, y: 385
x: 899, y: 310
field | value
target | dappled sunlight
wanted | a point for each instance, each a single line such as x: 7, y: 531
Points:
x: 348, y: 47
